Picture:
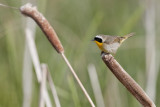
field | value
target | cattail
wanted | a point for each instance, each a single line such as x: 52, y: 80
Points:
x: 32, y: 12
x: 127, y: 80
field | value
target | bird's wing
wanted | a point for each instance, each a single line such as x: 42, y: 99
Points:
x: 118, y: 39
x: 109, y: 39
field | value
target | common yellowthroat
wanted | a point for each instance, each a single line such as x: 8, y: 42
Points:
x: 110, y: 44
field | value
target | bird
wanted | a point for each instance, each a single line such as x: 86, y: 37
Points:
x: 110, y: 44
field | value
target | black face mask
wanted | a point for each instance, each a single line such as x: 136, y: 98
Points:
x: 98, y: 39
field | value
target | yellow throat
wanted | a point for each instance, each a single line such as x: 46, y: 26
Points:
x: 100, y: 45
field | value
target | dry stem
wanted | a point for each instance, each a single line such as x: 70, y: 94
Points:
x: 127, y: 80
x: 78, y: 80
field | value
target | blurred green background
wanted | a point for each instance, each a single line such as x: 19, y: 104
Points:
x: 76, y: 22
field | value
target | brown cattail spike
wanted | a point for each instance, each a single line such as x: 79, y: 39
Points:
x: 32, y: 12
x: 127, y: 80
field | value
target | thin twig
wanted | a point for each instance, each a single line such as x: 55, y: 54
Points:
x: 79, y: 82
x: 127, y: 80
x: 3, y: 5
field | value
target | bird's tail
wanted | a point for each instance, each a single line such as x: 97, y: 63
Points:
x: 129, y: 35
x: 126, y: 36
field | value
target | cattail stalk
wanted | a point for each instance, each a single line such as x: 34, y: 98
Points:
x: 127, y: 80
x: 78, y: 80
x: 32, y: 12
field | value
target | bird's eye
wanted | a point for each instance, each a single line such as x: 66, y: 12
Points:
x: 98, y: 39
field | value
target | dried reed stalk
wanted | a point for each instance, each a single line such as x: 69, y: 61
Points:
x: 32, y: 12
x: 127, y: 80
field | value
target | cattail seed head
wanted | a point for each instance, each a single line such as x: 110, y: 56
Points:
x: 47, y: 29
